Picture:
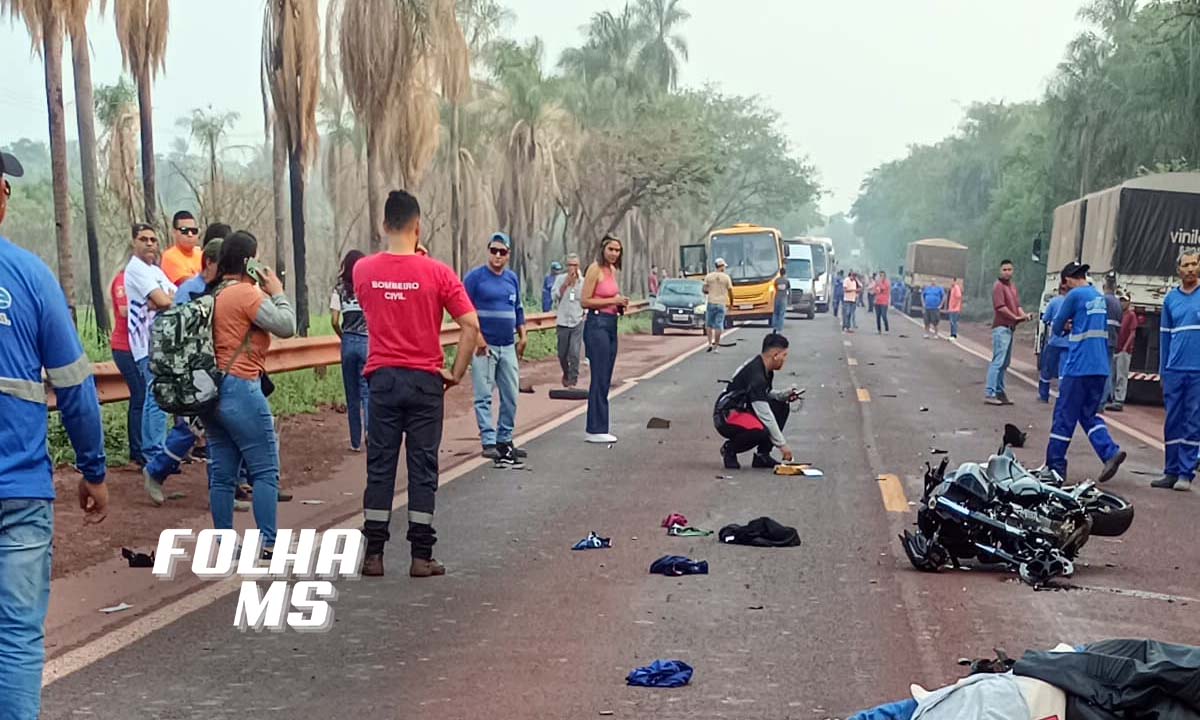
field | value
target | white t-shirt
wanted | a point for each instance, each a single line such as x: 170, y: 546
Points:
x: 141, y: 280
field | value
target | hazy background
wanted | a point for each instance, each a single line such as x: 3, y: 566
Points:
x: 856, y: 81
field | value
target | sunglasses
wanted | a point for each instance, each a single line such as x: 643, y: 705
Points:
x: 188, y: 231
x: 502, y: 252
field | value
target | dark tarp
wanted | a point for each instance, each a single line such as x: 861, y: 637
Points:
x: 1153, y: 226
x: 1118, y: 679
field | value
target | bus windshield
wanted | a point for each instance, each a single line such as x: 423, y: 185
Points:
x: 748, y: 256
x: 819, y: 265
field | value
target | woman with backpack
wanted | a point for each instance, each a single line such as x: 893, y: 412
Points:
x: 250, y: 306
x: 351, y: 326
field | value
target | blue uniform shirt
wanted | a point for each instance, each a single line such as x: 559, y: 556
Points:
x: 190, y: 290
x: 1052, y: 308
x: 1087, y: 352
x: 497, y: 299
x: 36, y: 332
x: 933, y: 296
x: 1179, y: 341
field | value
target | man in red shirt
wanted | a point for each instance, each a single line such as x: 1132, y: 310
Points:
x: 1008, y: 314
x: 403, y: 295
x: 1121, y: 361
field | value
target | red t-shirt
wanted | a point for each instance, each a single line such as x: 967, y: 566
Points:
x: 403, y: 298
x: 1128, y: 332
x: 120, y: 332
x: 1004, y: 294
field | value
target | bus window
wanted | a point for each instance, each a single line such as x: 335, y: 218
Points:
x: 818, y: 264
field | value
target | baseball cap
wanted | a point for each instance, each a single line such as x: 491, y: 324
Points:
x: 556, y: 266
x: 720, y: 262
x: 501, y: 238
x: 10, y: 165
x: 1074, y: 270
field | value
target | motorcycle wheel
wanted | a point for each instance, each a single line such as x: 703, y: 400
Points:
x: 1111, y: 514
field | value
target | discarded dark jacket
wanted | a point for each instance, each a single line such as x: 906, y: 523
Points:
x: 676, y: 565
x: 761, y: 532
x: 662, y: 674
x: 1117, y: 679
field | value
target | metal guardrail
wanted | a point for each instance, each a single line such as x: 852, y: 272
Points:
x: 293, y: 354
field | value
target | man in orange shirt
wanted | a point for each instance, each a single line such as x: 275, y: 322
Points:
x: 954, y: 307
x: 182, y: 261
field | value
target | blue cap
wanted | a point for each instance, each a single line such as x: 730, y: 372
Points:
x: 556, y: 267
x: 501, y: 238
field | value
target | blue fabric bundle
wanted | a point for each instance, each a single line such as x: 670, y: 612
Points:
x: 661, y: 674
x: 676, y: 565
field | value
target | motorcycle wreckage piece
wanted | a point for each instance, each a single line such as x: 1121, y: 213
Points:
x: 1007, y: 515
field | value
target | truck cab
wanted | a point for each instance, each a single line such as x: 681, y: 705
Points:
x: 799, y: 264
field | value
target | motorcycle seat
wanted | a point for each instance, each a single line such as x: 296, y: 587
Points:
x: 1004, y: 469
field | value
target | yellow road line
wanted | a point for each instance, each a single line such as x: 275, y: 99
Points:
x: 863, y: 395
x: 892, y: 491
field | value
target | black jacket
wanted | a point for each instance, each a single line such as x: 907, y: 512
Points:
x: 1122, y: 679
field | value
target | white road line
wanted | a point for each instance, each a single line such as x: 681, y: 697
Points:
x: 124, y: 636
x: 1116, y: 424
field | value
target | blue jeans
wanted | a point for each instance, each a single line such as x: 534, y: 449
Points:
x: 241, y: 431
x: 496, y: 371
x: 1052, y: 356
x: 137, y: 402
x: 26, y: 531
x: 1001, y: 357
x: 166, y: 463
x: 953, y: 324
x: 600, y: 342
x: 354, y: 359
x: 714, y: 317
x: 154, y: 420
x: 777, y: 317
x: 848, y: 320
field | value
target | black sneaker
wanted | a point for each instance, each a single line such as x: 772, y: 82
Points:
x: 1003, y: 398
x: 506, y: 458
x: 490, y: 452
x: 1111, y: 467
x: 519, y: 451
x: 764, y: 460
x: 1166, y: 482
x: 730, y: 458
x: 1114, y: 407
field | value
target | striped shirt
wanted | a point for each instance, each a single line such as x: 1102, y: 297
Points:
x: 140, y: 281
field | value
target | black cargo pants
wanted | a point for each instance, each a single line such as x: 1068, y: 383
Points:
x: 406, y: 406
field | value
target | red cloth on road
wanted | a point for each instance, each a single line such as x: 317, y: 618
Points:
x: 1004, y: 295
x: 1128, y: 332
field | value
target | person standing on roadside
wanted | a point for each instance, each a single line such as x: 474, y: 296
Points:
x: 954, y: 306
x: 1113, y: 304
x: 870, y: 292
x: 349, y: 323
x: 567, y: 292
x: 1055, y: 348
x: 850, y: 290
x: 652, y: 281
x: 1126, y: 337
x: 882, y: 291
x: 932, y: 298
x: 782, y: 290
x: 182, y: 260
x: 123, y: 359
x: 603, y: 302
x: 718, y: 291
x: 1007, y: 315
x: 404, y: 296
x: 37, y: 340
x: 495, y: 292
x: 1084, y: 373
x: 1179, y: 366
x: 548, y: 285
x: 750, y: 414
x: 838, y: 292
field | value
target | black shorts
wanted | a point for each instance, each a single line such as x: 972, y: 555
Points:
x: 932, y: 316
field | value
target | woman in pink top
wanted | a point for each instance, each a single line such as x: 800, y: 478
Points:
x: 603, y: 302
x: 954, y: 306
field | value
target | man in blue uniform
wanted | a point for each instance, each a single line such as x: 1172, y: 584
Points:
x: 1179, y: 366
x: 36, y: 334
x: 1056, y: 346
x: 1085, y: 373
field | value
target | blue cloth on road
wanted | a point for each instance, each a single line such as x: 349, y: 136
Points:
x: 1079, y: 399
x: 676, y: 565
x: 1179, y: 332
x: 933, y: 296
x: 1181, y: 431
x: 1087, y: 354
x: 497, y: 300
x: 592, y: 542
x: 661, y: 674
x: 900, y: 710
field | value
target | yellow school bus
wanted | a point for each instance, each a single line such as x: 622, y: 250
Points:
x: 753, y: 255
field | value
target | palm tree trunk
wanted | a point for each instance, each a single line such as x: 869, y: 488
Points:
x: 146, y: 117
x: 212, y: 180
x: 374, y: 205
x: 296, y: 175
x: 278, y: 162
x: 455, y: 188
x: 86, y: 118
x: 52, y: 42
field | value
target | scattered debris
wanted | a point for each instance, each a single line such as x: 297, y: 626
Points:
x: 137, y: 559
x: 937, y: 451
x: 593, y: 542
x: 674, y: 519
x: 312, y: 502
x: 116, y: 608
x: 1014, y: 436
x: 176, y: 495
x: 756, y: 607
x: 677, y: 565
x: 924, y: 409
x: 661, y: 674
x: 657, y: 423
x: 760, y: 532
x: 681, y: 531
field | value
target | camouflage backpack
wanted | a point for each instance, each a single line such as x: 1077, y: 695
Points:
x: 183, y: 358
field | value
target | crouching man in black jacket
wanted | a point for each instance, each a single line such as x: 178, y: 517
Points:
x: 752, y: 415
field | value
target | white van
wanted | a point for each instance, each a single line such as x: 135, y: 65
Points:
x: 799, y: 263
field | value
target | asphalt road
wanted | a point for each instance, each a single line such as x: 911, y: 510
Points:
x: 522, y: 627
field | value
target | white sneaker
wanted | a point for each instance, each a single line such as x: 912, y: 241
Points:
x: 600, y: 438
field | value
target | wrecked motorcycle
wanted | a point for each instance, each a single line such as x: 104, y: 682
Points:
x: 1003, y: 513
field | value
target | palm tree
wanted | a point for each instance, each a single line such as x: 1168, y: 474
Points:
x: 292, y: 62
x: 142, y: 27
x: 393, y: 54
x: 46, y: 20
x: 209, y: 126
x: 660, y: 56
x: 117, y: 111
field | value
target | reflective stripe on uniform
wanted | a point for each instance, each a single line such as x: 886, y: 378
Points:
x: 1183, y: 442
x: 377, y: 515
x: 1184, y: 328
x: 420, y: 518
x: 29, y: 390
x: 70, y: 375
x: 1060, y: 437
x: 1097, y: 426
x: 1089, y: 335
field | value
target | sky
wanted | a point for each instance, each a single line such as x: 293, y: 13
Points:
x: 855, y: 81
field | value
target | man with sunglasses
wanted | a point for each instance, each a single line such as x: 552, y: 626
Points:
x: 36, y: 335
x: 495, y: 292
x: 183, y: 260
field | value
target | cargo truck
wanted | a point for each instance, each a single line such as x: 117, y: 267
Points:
x: 935, y: 260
